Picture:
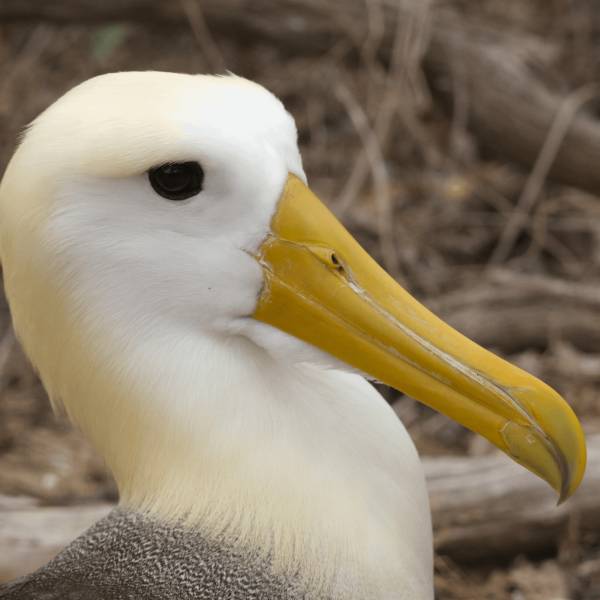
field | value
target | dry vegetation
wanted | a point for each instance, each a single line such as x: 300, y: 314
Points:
x: 458, y: 140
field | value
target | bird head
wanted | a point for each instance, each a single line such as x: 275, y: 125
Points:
x: 162, y: 205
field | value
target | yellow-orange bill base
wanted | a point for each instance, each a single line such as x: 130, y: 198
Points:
x: 322, y: 287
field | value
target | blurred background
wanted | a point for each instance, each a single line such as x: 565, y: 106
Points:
x: 460, y: 142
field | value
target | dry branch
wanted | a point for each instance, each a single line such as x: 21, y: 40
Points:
x: 483, y: 508
x: 511, y: 108
x: 512, y: 312
x: 509, y: 105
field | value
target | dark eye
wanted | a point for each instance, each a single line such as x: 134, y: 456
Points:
x: 177, y: 181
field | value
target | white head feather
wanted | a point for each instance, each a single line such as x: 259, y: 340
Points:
x: 136, y: 312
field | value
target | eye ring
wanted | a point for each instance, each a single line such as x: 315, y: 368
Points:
x: 177, y: 181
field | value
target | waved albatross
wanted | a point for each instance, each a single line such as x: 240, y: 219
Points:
x: 205, y: 320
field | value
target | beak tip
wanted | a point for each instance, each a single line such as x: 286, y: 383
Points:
x: 576, y: 470
x: 552, y: 445
x: 565, y: 493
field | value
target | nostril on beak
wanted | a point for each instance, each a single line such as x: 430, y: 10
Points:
x: 328, y: 257
x: 337, y: 263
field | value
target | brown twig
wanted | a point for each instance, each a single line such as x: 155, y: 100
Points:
x: 408, y: 49
x: 36, y: 43
x: 556, y: 135
x: 202, y: 35
x: 376, y: 163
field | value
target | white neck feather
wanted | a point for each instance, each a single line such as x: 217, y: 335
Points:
x: 305, y: 464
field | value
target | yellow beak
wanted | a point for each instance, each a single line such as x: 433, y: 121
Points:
x: 322, y: 287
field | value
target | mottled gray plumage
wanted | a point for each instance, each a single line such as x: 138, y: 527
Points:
x: 128, y: 556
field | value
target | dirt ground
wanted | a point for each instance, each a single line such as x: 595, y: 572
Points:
x: 438, y: 221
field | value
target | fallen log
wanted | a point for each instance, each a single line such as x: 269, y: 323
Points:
x: 510, y: 106
x: 484, y: 508
x: 30, y: 536
x: 488, y: 507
